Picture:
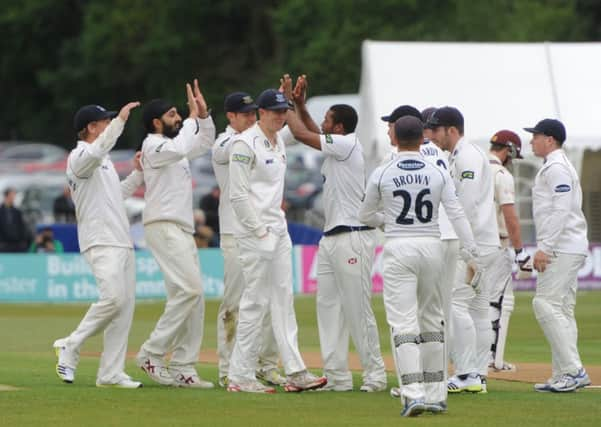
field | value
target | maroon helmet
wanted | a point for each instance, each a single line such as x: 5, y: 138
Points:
x: 509, y: 139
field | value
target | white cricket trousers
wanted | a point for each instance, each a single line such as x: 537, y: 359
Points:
x: 344, y: 264
x: 471, y: 331
x: 414, y: 311
x: 554, y: 304
x: 115, y: 273
x: 227, y: 316
x: 267, y: 269
x: 180, y: 327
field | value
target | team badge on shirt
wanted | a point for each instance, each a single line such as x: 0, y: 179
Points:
x: 329, y: 139
x: 410, y: 165
x: 467, y: 175
x: 352, y: 261
x: 562, y: 188
x: 241, y: 158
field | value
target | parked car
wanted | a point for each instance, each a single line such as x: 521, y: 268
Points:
x: 32, y: 152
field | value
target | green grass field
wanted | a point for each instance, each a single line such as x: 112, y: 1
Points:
x: 27, y: 363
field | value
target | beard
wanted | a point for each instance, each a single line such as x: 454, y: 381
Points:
x: 171, y: 131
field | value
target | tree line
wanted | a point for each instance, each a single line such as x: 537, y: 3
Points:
x: 58, y: 55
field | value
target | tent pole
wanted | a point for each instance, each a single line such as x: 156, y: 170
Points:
x: 552, y: 80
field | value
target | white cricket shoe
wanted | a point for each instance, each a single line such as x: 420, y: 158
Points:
x: 65, y: 373
x: 188, y: 378
x: 505, y: 367
x: 155, y: 368
x: 437, y: 407
x: 582, y: 378
x: 546, y: 386
x: 372, y: 387
x: 122, y: 381
x: 470, y: 383
x: 249, y: 387
x: 564, y: 384
x: 413, y: 408
x: 270, y: 376
x: 303, y: 381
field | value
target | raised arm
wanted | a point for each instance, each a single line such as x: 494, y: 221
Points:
x: 84, y: 162
x: 194, y: 139
x: 299, y: 96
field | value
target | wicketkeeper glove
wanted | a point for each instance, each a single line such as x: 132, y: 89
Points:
x: 524, y: 262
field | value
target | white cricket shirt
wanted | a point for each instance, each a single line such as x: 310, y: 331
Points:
x: 411, y: 189
x: 257, y: 169
x: 343, y: 173
x: 557, y: 207
x: 504, y: 191
x: 469, y: 167
x: 221, y: 160
x: 167, y: 171
x: 97, y: 192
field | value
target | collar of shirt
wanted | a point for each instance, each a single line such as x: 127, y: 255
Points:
x: 494, y: 159
x: 554, y: 155
x: 457, y: 148
x: 268, y: 145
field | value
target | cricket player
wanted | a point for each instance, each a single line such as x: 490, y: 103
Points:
x: 471, y: 333
x: 104, y: 241
x: 257, y: 168
x: 562, y: 246
x: 168, y: 227
x: 450, y: 242
x: 410, y: 189
x: 346, y: 250
x: 241, y: 112
x: 505, y: 147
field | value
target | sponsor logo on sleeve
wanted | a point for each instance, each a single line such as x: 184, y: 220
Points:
x: 467, y: 175
x: 329, y: 139
x: 241, y: 158
x: 410, y: 165
x: 562, y: 188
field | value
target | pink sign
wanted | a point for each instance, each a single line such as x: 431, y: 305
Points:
x: 589, y: 276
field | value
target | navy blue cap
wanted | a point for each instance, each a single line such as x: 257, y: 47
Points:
x: 550, y: 127
x: 272, y: 99
x: 426, y: 114
x: 403, y: 110
x: 91, y: 113
x: 445, y: 116
x: 239, y: 102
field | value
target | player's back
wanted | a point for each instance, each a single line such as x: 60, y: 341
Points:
x: 411, y: 188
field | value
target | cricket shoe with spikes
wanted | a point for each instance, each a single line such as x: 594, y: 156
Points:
x: 155, y: 368
x: 303, y: 381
